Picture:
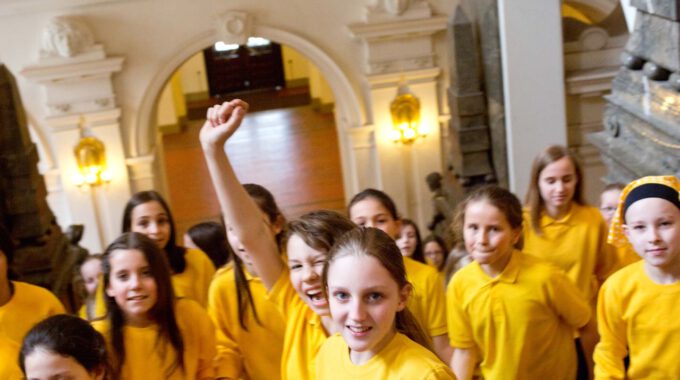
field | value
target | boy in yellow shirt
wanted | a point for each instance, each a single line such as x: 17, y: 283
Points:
x: 638, y: 307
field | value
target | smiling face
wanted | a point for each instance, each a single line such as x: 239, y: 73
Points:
x: 151, y: 219
x: 90, y: 271
x: 407, y: 240
x: 45, y: 365
x: 306, y: 268
x: 653, y: 228
x: 132, y: 286
x: 370, y: 212
x: 364, y: 300
x: 557, y: 185
x: 489, y: 237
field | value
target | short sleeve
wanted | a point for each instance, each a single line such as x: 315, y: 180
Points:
x: 459, y: 326
x: 436, y: 305
x: 229, y: 361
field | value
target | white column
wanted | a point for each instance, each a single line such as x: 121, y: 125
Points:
x: 533, y: 81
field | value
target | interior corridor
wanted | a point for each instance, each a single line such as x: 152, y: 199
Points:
x: 291, y: 151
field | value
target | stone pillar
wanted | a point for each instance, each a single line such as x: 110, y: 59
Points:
x: 79, y: 98
x: 533, y: 79
x: 399, y: 47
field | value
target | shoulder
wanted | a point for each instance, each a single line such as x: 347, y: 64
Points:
x: 224, y: 278
x: 419, y: 270
x: 417, y: 362
x: 585, y: 213
x: 626, y: 279
x: 37, y: 295
x: 188, y: 309
x: 101, y: 325
x: 535, y: 265
x: 196, y: 256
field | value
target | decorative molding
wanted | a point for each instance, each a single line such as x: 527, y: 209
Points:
x: 14, y: 7
x: 362, y: 137
x: 586, y: 83
x: 141, y: 167
x: 234, y: 27
x: 412, y: 77
x: 78, y: 70
x: 398, y: 29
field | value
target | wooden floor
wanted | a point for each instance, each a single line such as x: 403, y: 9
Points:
x: 293, y: 152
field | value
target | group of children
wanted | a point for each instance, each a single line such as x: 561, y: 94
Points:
x: 330, y: 296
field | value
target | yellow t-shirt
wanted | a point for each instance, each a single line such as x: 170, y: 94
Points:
x: 428, y: 302
x: 194, y: 282
x: 147, y: 360
x: 401, y: 359
x: 304, y: 331
x: 29, y: 305
x: 644, y: 316
x: 627, y: 255
x: 577, y: 244
x: 251, y: 354
x: 521, y: 323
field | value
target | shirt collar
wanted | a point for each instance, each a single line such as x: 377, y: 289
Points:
x: 509, y: 274
x: 546, y: 220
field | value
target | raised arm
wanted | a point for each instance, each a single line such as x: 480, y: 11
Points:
x: 240, y: 212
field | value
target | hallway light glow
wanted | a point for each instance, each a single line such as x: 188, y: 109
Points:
x: 91, y: 158
x: 405, y: 111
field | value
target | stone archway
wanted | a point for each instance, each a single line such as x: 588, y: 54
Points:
x: 348, y: 111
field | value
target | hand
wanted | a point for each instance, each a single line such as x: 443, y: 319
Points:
x: 221, y: 122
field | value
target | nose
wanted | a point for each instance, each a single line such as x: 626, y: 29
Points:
x: 309, y: 274
x: 653, y: 234
x: 357, y: 311
x: 134, y: 282
x: 483, y: 236
x: 559, y: 185
x: 369, y: 223
x: 153, y: 227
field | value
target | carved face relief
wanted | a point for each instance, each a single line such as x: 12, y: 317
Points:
x: 396, y: 7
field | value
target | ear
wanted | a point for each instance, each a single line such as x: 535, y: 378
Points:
x: 109, y: 291
x: 516, y: 235
x: 277, y: 227
x: 626, y: 231
x: 99, y: 373
x: 404, y: 295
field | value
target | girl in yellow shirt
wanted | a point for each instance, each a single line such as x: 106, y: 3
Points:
x: 296, y: 290
x: 367, y: 290
x: 561, y: 228
x: 374, y: 208
x: 638, y: 307
x: 147, y: 213
x: 249, y: 328
x: 150, y: 333
x: 510, y: 314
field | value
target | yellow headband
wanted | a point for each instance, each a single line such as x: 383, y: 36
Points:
x: 616, y: 235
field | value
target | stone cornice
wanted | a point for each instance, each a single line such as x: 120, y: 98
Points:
x: 391, y: 30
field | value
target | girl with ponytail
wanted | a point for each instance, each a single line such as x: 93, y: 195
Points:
x: 367, y: 291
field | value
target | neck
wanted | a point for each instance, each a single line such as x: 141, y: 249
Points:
x: 5, y: 292
x: 362, y: 357
x: 558, y: 213
x: 328, y: 325
x: 138, y: 321
x: 494, y: 269
x: 663, y: 275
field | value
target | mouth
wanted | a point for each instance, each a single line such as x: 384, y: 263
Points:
x: 316, y: 297
x: 359, y: 331
x: 137, y: 298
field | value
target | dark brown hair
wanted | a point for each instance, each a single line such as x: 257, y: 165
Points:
x: 533, y: 198
x: 378, y: 195
x: 68, y: 336
x: 175, y: 253
x: 162, y: 313
x: 500, y: 198
x: 377, y: 244
x: 211, y: 238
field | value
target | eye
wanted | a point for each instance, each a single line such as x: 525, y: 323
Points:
x: 320, y: 262
x: 122, y: 276
x: 341, y: 296
x: 472, y: 227
x: 147, y: 273
x: 294, y: 266
x: 143, y: 223
x: 639, y: 227
x: 374, y: 297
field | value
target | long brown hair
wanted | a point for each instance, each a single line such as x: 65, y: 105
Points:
x: 244, y: 297
x: 162, y: 313
x: 320, y: 229
x: 533, y: 199
x: 376, y: 243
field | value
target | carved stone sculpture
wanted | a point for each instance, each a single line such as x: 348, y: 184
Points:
x: 66, y: 37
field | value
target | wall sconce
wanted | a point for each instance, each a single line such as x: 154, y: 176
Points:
x: 405, y: 110
x: 91, y: 158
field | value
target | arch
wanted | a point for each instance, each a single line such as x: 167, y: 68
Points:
x: 348, y: 112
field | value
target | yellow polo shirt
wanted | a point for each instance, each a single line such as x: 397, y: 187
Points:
x: 402, y: 358
x: 521, y: 323
x: 254, y: 353
x: 637, y: 313
x: 147, y: 359
x: 194, y: 282
x: 577, y: 244
x: 428, y: 301
x: 304, y: 331
x: 29, y: 305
